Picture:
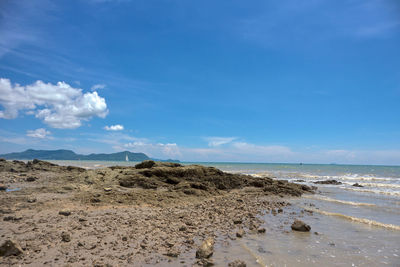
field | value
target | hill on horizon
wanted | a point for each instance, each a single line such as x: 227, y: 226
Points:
x: 63, y: 154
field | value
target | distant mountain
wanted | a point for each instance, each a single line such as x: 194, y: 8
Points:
x: 62, y: 154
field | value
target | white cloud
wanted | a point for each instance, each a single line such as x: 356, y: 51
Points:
x: 236, y: 151
x: 117, y: 127
x: 98, y: 86
x: 38, y: 133
x: 59, y: 106
x: 159, y: 150
x: 218, y: 141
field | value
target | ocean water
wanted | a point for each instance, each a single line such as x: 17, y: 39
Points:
x: 356, y: 226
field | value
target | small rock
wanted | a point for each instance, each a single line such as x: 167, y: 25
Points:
x: 124, y: 238
x: 206, y: 249
x: 237, y: 263
x: 182, y: 228
x: 172, y: 253
x: 205, y: 262
x: 237, y: 221
x: 240, y: 233
x: 64, y: 212
x: 95, y: 200
x: 261, y: 230
x: 300, y: 226
x: 169, y: 244
x: 261, y: 250
x: 107, y: 189
x: 10, y: 247
x: 31, y: 200
x: 11, y: 218
x: 31, y: 179
x: 357, y: 185
x: 143, y: 245
x: 3, y: 187
x: 65, y: 237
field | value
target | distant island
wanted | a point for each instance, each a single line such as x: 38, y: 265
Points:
x: 62, y: 154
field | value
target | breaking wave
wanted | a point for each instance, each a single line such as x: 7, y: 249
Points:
x: 356, y: 219
x: 338, y: 200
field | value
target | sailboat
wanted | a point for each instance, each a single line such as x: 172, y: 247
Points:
x: 126, y: 157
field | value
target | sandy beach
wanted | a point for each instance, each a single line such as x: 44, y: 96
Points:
x: 154, y: 213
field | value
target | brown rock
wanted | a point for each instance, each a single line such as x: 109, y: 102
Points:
x: 237, y: 263
x: 205, y: 262
x: 145, y: 164
x: 172, y: 253
x: 300, y: 226
x: 206, y: 249
x: 64, y: 212
x: 12, y: 218
x: 9, y: 248
x: 237, y: 221
x: 240, y: 233
x: 261, y: 230
x: 65, y: 237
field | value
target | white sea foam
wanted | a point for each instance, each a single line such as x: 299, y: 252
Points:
x: 356, y: 219
x: 381, y: 185
x: 374, y: 191
x: 319, y: 197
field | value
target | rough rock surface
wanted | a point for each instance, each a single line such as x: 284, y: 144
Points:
x: 140, y: 216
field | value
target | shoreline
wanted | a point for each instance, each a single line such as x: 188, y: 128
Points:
x: 117, y: 217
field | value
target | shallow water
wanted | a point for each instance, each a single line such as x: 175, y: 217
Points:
x: 339, y: 242
x: 357, y: 226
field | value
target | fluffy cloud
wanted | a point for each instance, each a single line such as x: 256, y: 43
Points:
x: 59, y: 106
x: 38, y: 133
x: 117, y: 127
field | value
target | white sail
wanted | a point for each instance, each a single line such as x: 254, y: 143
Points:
x: 126, y: 157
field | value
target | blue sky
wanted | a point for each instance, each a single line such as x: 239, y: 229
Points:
x: 261, y: 81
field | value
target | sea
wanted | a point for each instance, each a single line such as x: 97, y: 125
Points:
x: 350, y: 226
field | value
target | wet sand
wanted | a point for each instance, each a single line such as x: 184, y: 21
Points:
x: 127, y: 216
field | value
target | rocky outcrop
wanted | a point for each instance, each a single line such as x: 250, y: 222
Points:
x: 300, y: 226
x: 357, y: 185
x: 145, y: 164
x: 200, y: 180
x: 17, y: 166
x: 333, y: 182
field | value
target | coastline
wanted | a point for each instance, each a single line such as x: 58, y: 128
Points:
x: 120, y: 216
